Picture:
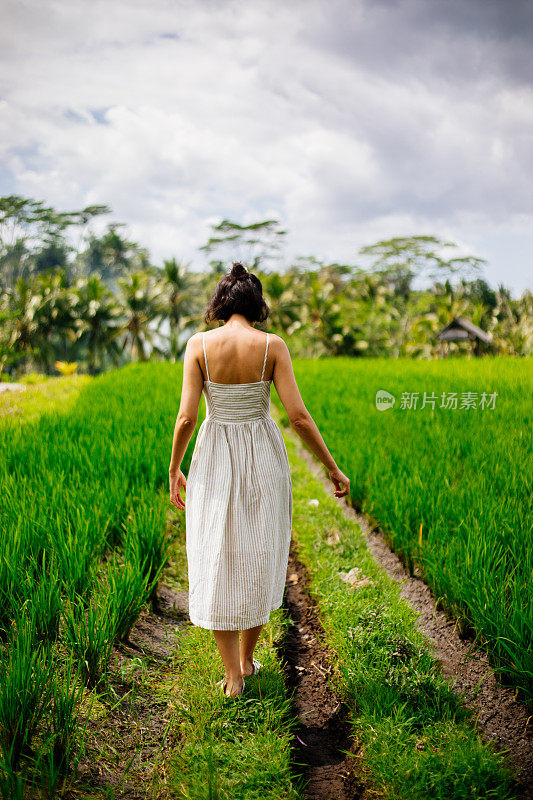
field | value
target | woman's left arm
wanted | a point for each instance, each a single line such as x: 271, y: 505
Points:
x: 191, y: 391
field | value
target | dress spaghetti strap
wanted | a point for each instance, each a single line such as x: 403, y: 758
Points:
x: 265, y: 359
x: 205, y: 357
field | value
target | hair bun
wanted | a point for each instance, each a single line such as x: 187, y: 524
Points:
x: 238, y: 271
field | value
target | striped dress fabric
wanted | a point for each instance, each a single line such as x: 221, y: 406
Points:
x: 238, y: 508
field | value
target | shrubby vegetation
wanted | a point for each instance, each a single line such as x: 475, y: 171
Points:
x: 101, y: 302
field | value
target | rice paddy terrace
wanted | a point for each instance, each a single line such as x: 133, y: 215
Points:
x: 95, y: 637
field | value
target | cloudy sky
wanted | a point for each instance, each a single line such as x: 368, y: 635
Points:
x: 348, y: 120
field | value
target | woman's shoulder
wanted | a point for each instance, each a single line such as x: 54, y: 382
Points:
x: 195, y: 343
x: 277, y: 341
x: 196, y: 337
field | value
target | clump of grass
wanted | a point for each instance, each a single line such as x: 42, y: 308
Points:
x: 42, y: 591
x: 89, y: 632
x: 77, y: 556
x: 128, y: 592
x: 146, y: 544
x: 13, y: 561
x: 62, y: 746
x: 26, y: 676
x: 11, y: 782
x: 67, y: 692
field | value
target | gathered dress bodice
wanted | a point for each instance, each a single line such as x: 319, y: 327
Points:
x: 237, y: 403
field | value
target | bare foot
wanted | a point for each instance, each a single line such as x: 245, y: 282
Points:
x: 247, y: 667
x: 234, y: 688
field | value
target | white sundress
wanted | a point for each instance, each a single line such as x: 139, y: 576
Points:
x: 238, y: 508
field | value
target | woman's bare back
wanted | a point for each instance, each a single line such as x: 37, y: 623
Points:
x: 236, y: 356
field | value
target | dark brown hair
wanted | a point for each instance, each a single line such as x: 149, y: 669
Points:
x: 238, y: 292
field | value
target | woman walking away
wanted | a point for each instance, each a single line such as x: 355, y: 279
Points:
x: 238, y: 509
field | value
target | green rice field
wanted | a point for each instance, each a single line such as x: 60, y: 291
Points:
x: 84, y: 499
x: 82, y: 502
x: 450, y: 487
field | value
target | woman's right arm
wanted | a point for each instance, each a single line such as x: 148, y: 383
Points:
x: 300, y: 418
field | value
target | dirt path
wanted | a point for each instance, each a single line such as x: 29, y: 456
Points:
x: 323, y: 732
x: 501, y: 718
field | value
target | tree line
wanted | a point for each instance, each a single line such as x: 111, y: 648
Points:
x: 69, y: 294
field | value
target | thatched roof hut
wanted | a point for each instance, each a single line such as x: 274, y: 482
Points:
x: 460, y: 329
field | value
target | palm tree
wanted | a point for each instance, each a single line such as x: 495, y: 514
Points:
x: 512, y: 323
x: 284, y: 300
x: 323, y: 316
x: 177, y: 291
x: 97, y: 322
x: 14, y: 263
x: 41, y: 319
x: 138, y: 298
x: 21, y: 306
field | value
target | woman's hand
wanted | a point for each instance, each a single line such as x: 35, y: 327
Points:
x: 339, y: 478
x: 177, y: 480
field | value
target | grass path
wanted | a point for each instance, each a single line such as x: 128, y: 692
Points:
x: 226, y: 748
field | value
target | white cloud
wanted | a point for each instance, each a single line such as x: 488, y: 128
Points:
x: 349, y: 122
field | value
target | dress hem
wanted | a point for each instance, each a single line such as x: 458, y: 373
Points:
x: 212, y: 626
